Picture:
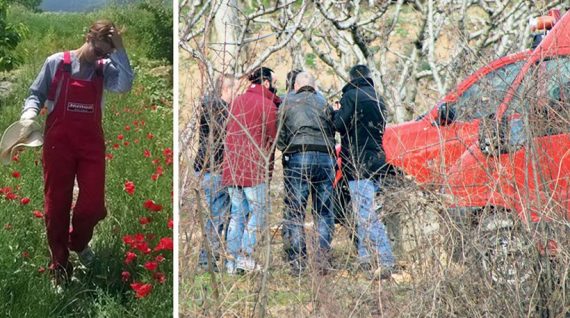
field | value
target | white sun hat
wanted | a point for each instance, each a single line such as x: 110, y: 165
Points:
x: 23, y: 133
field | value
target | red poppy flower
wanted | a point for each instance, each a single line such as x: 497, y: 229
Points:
x: 170, y: 224
x: 130, y: 257
x: 127, y: 127
x: 149, y: 136
x: 120, y: 137
x: 147, y: 153
x: 41, y: 269
x: 128, y: 239
x: 16, y: 158
x: 38, y: 214
x: 139, y: 237
x: 154, y: 176
x: 165, y: 243
x: 143, y: 247
x: 109, y: 156
x: 167, y: 152
x: 159, y: 258
x: 141, y: 290
x: 25, y: 200
x: 152, y: 206
x: 159, y: 171
x: 151, y: 265
x: 168, y: 161
x: 129, y: 187
x: 137, y: 141
x: 11, y: 196
x: 116, y: 146
x: 125, y: 276
x: 156, y: 161
x: 126, y: 143
x: 16, y: 174
x: 159, y: 277
x: 144, y: 220
x: 25, y: 254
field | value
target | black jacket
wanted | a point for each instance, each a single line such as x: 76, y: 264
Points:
x: 361, y: 121
x: 212, y: 133
x: 305, y: 123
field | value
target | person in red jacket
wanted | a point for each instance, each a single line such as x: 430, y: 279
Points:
x: 248, y: 160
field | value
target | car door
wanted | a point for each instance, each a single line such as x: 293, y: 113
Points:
x: 542, y: 172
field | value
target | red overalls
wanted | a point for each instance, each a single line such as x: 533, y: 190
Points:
x: 74, y: 147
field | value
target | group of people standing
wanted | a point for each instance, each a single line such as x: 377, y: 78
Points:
x: 238, y: 137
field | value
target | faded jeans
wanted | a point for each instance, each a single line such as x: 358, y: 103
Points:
x: 307, y: 173
x: 248, y: 218
x: 371, y: 232
x: 218, y: 201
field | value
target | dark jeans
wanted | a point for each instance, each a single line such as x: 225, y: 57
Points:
x: 308, y: 172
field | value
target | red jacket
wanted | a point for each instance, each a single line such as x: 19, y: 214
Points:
x: 250, y: 134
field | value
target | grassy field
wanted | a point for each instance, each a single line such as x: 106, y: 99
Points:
x: 138, y: 130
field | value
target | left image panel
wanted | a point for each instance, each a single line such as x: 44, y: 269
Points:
x: 86, y: 175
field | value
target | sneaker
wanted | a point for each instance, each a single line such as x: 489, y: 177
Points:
x: 61, y: 277
x: 86, y: 257
x: 231, y: 268
x: 247, y: 264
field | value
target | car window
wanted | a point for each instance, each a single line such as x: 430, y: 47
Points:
x: 485, y: 95
x: 544, y: 96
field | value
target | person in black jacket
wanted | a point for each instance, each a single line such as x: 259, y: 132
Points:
x: 307, y: 141
x: 360, y: 119
x: 209, y: 160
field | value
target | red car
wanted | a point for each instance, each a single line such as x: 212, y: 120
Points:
x: 427, y: 147
x: 521, y: 162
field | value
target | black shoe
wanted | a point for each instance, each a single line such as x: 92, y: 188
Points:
x: 298, y: 268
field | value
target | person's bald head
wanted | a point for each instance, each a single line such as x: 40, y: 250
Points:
x: 304, y: 79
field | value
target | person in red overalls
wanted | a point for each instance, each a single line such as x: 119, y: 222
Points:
x: 71, y: 85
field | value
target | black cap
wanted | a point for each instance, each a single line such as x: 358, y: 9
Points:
x: 260, y: 74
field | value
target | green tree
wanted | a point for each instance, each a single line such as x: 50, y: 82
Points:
x: 159, y: 32
x: 9, y: 39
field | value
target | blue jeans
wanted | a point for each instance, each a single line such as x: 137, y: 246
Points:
x: 248, y: 216
x: 218, y: 201
x: 371, y: 233
x: 308, y: 172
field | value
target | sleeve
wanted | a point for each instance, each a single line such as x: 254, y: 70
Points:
x: 204, y: 131
x: 271, y: 125
x: 39, y: 89
x: 118, y: 73
x: 342, y: 118
x: 282, y: 140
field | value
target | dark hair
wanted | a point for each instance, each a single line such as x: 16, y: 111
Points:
x: 359, y: 71
x: 261, y: 74
x: 291, y: 77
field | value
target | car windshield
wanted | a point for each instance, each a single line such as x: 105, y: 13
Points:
x: 484, y: 96
x: 543, y: 96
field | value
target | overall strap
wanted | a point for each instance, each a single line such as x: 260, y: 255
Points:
x: 63, y: 67
x: 100, y: 66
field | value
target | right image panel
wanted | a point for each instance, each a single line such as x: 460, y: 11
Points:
x: 373, y: 158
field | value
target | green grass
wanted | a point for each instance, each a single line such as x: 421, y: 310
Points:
x: 100, y: 291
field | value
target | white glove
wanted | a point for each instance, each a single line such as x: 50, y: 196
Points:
x: 29, y: 113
